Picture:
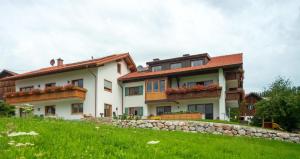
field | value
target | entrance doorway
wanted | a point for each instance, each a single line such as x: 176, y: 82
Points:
x: 107, y: 110
x: 50, y: 110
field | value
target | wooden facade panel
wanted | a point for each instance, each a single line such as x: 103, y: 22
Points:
x: 247, y: 108
x: 6, y: 87
x: 155, y: 96
x: 185, y: 62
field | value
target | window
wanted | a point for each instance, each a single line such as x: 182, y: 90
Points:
x: 50, y: 110
x: 156, y: 68
x: 78, y: 83
x: 77, y: 108
x: 131, y: 91
x: 250, y: 107
x: 26, y: 89
x: 196, y: 63
x: 137, y: 111
x: 207, y: 83
x: 162, y: 85
x: 203, y: 83
x: 163, y: 110
x: 49, y: 85
x: 175, y: 65
x: 119, y: 67
x: 107, y: 86
x: 149, y: 86
x: 155, y: 86
x: 206, y: 109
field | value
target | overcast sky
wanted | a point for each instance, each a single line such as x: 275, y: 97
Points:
x: 267, y: 32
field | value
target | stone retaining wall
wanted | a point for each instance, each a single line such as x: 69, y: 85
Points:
x: 207, y: 127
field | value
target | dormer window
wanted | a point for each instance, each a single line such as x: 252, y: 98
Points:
x: 156, y: 68
x: 196, y: 63
x: 175, y: 65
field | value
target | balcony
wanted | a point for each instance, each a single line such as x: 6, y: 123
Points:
x: 234, y: 95
x: 195, y: 92
x: 52, y: 93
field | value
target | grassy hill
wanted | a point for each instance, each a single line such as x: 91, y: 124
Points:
x: 78, y: 139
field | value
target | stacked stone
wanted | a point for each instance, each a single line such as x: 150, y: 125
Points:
x: 208, y: 127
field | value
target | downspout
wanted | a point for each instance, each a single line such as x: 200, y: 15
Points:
x: 96, y: 84
x: 122, y: 106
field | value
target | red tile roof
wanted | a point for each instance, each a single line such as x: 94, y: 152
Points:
x: 215, y: 62
x: 75, y: 66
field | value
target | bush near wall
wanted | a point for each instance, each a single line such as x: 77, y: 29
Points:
x: 6, y: 109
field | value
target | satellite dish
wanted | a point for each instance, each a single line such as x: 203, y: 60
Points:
x: 52, y: 62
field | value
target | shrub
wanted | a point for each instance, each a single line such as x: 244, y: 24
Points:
x: 6, y: 109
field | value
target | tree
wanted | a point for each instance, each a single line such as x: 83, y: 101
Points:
x: 6, y: 109
x: 281, y: 104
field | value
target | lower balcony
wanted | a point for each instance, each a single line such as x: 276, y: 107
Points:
x: 53, y: 93
x: 174, y: 94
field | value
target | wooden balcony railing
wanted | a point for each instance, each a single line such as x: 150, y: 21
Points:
x: 199, y: 91
x: 235, y: 94
x: 236, y: 75
x: 53, y: 93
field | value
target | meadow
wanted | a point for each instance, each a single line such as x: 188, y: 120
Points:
x: 82, y: 139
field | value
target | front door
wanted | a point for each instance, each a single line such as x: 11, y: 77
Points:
x: 107, y: 110
x: 50, y: 110
x: 206, y: 109
x: 209, y: 111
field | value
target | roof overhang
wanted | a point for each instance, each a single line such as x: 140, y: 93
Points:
x: 180, y: 73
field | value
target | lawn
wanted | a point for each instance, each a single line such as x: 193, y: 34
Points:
x: 78, y: 139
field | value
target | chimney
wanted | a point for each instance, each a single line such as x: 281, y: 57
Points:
x: 60, y: 62
x: 156, y: 59
x: 185, y: 55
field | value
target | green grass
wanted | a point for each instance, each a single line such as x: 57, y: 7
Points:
x: 78, y: 139
x: 219, y: 121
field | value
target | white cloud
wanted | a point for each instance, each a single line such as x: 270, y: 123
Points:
x: 267, y: 32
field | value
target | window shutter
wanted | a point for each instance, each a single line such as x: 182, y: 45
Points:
x: 141, y: 111
x: 126, y: 91
x: 126, y: 111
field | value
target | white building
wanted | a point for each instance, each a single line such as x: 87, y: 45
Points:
x: 191, y: 83
x: 97, y: 92
x: 112, y: 86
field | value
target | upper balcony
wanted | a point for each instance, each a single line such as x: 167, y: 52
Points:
x: 234, y: 78
x: 158, y: 90
x: 199, y: 91
x: 51, y: 93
